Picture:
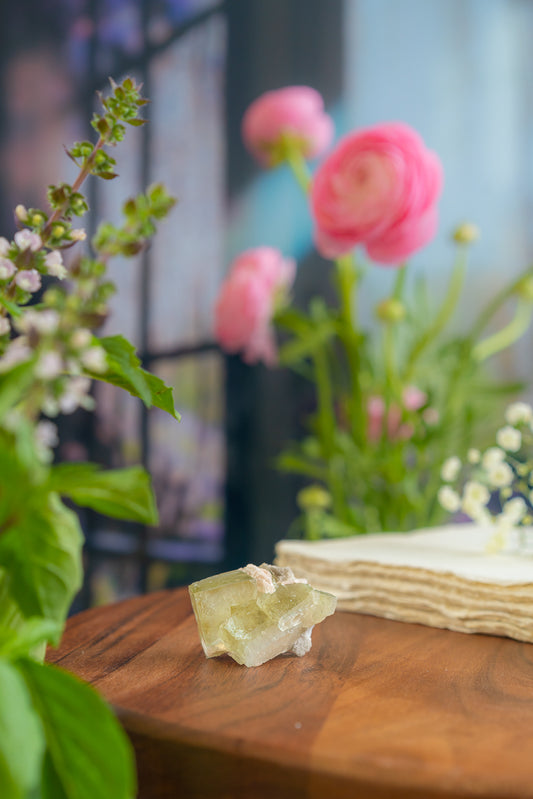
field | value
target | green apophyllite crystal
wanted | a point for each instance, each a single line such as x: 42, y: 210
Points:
x: 256, y: 613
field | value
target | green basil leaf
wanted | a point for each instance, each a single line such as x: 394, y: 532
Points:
x: 21, y: 641
x: 125, y: 371
x: 41, y: 553
x: 22, y: 741
x: 120, y: 493
x: 89, y: 754
x: 13, y: 385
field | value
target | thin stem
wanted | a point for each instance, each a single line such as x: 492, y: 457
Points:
x: 494, y: 306
x: 299, y: 167
x: 347, y: 281
x: 443, y: 316
x: 326, y: 415
x: 83, y: 174
x: 507, y: 335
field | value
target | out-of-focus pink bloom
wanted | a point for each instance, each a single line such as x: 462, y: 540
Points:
x: 28, y: 280
x: 412, y: 399
x: 258, y: 282
x: 378, y: 188
x: 296, y: 112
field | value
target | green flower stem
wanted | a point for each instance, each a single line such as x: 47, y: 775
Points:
x: 83, y: 174
x: 299, y: 167
x: 347, y: 283
x: 445, y: 312
x: 391, y: 376
x: 327, y: 424
x: 494, y: 306
x: 507, y: 335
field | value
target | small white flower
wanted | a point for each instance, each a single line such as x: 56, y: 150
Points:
x: 81, y: 338
x: 477, y: 492
x: 54, y: 264
x: 44, y: 322
x: 50, y: 406
x: 26, y: 240
x: 473, y: 455
x: 492, y: 456
x: 514, y: 510
x: 78, y: 235
x: 94, y: 359
x: 518, y: 413
x: 500, y: 475
x: 7, y: 268
x: 76, y: 395
x: 449, y: 499
x: 4, y: 246
x: 476, y: 510
x: 49, y: 366
x: 28, y: 279
x: 46, y: 434
x: 5, y: 327
x: 450, y: 469
x: 509, y: 438
x: 17, y: 351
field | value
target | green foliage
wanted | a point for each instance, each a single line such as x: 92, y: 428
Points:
x: 22, y: 741
x: 120, y: 493
x: 58, y: 739
x: 87, y: 755
x: 125, y: 371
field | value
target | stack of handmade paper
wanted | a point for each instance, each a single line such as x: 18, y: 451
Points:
x: 441, y: 577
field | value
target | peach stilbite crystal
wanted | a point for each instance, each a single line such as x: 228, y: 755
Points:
x: 258, y: 612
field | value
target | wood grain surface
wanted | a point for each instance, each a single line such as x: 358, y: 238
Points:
x: 377, y: 708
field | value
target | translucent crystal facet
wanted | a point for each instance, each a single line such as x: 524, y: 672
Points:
x: 256, y: 613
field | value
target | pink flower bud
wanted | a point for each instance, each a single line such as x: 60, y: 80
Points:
x: 7, y: 268
x: 28, y: 280
x: 378, y: 188
x: 26, y: 240
x: 4, y: 246
x: 296, y: 113
x: 259, y: 279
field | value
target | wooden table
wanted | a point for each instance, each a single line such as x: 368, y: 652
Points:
x: 376, y: 709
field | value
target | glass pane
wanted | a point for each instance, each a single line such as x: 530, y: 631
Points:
x: 187, y: 132
x: 117, y: 427
x: 187, y: 461
x: 167, y: 15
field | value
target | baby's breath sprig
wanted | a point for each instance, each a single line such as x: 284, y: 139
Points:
x: 497, y: 484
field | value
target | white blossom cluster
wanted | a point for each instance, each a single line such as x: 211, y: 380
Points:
x: 501, y: 475
x: 60, y: 348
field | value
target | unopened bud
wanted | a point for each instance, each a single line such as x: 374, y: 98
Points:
x: 78, y: 235
x: 21, y: 213
x: 466, y: 233
x: 58, y: 231
x: 390, y: 310
x: 314, y: 497
x: 525, y: 288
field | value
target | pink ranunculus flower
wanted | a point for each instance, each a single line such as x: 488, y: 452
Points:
x: 296, y: 112
x: 378, y: 188
x: 258, y: 282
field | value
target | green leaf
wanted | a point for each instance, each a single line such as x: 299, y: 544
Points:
x: 14, y: 385
x: 120, y: 493
x: 294, y: 351
x: 41, y: 553
x: 126, y: 372
x: 22, y: 741
x: 21, y: 642
x: 161, y: 394
x: 10, y: 306
x: 89, y: 754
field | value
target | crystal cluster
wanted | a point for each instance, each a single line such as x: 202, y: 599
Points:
x: 257, y: 612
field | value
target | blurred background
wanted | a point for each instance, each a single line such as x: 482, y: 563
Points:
x: 459, y: 71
